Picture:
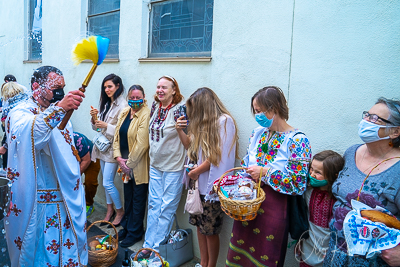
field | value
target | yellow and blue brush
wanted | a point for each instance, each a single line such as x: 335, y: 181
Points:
x: 92, y: 48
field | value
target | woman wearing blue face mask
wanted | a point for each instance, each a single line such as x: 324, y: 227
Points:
x: 282, y: 155
x: 379, y: 129
x: 131, y: 150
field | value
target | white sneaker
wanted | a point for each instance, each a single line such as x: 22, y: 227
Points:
x: 198, y: 265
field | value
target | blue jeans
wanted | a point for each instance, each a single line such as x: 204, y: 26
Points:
x: 109, y: 169
x: 165, y: 190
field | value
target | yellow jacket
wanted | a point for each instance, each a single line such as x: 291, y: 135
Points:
x: 138, y: 141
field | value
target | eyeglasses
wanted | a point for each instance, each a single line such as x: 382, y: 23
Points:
x: 374, y: 117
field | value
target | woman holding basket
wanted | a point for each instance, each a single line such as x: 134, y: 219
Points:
x: 212, y: 148
x: 379, y: 129
x: 281, y: 154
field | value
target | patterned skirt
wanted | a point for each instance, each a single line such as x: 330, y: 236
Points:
x: 262, y: 241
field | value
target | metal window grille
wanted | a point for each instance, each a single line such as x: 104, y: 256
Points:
x: 181, y: 28
x: 103, y: 19
x: 35, y: 30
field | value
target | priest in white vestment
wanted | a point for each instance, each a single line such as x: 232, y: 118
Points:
x: 46, y: 225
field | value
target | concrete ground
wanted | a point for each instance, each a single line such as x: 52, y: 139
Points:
x: 98, y: 215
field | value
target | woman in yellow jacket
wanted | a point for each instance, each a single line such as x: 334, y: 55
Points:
x: 131, y: 150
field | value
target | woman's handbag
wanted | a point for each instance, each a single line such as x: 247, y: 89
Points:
x: 177, y: 247
x: 193, y: 202
x: 101, y: 142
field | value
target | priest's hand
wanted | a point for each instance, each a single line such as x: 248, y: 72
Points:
x: 72, y: 100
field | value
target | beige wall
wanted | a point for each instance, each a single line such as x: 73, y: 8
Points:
x: 332, y: 59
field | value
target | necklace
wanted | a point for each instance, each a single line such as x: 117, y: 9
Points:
x: 375, y: 162
x: 166, y: 112
x: 157, y: 123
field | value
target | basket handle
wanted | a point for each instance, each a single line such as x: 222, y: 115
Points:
x: 259, y: 182
x: 362, y: 185
x: 157, y: 254
x: 115, y: 229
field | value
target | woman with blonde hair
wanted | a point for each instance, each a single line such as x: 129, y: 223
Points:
x: 212, y: 146
x: 12, y: 94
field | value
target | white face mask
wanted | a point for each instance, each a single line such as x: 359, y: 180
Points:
x: 368, y: 131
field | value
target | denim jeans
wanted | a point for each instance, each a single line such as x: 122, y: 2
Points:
x: 109, y: 170
x: 165, y: 190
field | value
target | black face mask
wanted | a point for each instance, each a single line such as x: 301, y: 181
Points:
x: 58, y: 94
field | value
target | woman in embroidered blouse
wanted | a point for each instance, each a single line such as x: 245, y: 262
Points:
x: 212, y: 146
x: 111, y: 104
x: 379, y: 129
x: 131, y: 150
x: 167, y: 155
x: 283, y: 155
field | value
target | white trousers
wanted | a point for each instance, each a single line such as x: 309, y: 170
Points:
x: 165, y: 190
x: 109, y: 169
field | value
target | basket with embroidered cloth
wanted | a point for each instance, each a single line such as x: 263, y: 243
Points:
x: 239, y: 208
x: 369, y: 230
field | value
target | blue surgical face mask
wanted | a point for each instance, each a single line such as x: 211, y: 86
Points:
x: 317, y: 183
x: 368, y: 131
x: 135, y: 104
x: 263, y: 120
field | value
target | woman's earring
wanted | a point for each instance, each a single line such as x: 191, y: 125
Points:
x: 390, y: 143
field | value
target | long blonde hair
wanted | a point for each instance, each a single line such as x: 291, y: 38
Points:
x: 204, y: 109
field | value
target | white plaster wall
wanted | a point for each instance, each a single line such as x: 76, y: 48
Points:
x: 345, y: 54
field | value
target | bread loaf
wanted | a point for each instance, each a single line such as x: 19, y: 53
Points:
x: 378, y: 216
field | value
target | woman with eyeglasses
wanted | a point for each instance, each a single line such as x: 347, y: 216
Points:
x: 379, y: 129
x: 167, y: 156
x: 131, y: 150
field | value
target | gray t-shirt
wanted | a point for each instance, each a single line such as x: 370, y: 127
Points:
x: 380, y: 189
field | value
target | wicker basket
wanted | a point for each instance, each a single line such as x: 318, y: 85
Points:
x: 240, y: 210
x: 157, y: 254
x: 103, y: 258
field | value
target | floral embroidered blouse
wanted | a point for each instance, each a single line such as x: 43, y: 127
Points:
x: 287, y: 154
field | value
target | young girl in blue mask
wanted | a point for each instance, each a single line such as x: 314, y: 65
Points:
x: 324, y: 170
